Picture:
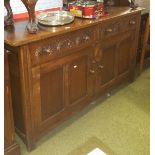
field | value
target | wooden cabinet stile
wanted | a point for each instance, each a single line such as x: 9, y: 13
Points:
x: 10, y: 145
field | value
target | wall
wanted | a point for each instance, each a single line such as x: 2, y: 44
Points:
x: 18, y: 7
x: 144, y: 3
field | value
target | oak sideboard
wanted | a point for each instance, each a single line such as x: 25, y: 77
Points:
x: 58, y: 71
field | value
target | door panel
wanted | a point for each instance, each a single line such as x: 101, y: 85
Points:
x: 60, y: 88
x: 124, y: 54
x: 51, y: 88
x: 48, y: 95
x: 106, y: 66
x: 78, y: 79
x: 108, y: 63
x: 115, y: 60
x: 80, y: 82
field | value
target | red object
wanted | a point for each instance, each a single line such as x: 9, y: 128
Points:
x: 89, y: 11
x: 75, y: 9
x: 92, y: 10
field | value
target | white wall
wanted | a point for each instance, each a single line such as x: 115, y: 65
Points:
x: 18, y: 7
x: 144, y: 3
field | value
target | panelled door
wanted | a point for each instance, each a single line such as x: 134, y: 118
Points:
x: 60, y: 85
x: 106, y: 65
x: 125, y: 53
x: 115, y: 60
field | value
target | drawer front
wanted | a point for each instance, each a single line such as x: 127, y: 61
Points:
x: 111, y: 28
x: 58, y: 46
x: 128, y: 23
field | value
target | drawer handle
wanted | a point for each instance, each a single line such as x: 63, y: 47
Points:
x: 92, y: 71
x: 132, y: 22
x: 100, y: 66
x: 109, y: 30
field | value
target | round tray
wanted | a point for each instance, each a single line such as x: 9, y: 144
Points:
x: 55, y: 18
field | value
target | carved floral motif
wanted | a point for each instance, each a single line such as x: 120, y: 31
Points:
x: 66, y: 42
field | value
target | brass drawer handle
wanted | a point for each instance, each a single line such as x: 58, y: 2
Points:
x: 132, y: 22
x: 92, y: 71
x: 100, y: 66
x: 109, y: 30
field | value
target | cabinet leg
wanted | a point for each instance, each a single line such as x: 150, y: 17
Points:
x: 30, y: 146
x: 132, y: 76
x: 108, y: 94
x: 29, y: 141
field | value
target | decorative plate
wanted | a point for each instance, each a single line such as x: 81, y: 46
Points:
x: 55, y: 18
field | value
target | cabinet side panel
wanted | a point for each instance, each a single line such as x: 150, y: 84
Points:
x: 12, y: 150
x: 16, y: 92
x: 8, y: 119
x: 51, y: 87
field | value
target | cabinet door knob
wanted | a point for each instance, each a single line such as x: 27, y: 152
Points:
x: 100, y: 66
x: 109, y: 30
x: 75, y: 66
x: 86, y: 38
x: 7, y: 51
x: 77, y: 40
x: 92, y: 71
x: 93, y: 61
x: 132, y: 22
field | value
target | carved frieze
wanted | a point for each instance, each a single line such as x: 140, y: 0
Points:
x: 59, y: 44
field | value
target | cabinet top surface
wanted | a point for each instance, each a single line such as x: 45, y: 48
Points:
x: 18, y: 35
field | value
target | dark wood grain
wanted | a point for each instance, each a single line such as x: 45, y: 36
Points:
x: 60, y: 70
x: 106, y: 65
x: 10, y: 145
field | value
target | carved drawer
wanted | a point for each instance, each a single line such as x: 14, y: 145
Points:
x: 109, y: 28
x: 61, y: 45
x: 114, y: 27
x: 129, y: 22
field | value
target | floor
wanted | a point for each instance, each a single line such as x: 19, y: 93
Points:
x: 119, y: 125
